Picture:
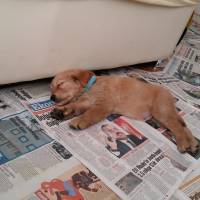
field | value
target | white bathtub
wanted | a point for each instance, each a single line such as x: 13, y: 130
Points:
x: 38, y: 38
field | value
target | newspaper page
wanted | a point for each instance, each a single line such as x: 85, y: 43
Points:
x: 34, y: 165
x: 100, y: 154
x: 135, y: 163
x: 26, y: 150
x: 186, y: 81
x: 129, y: 158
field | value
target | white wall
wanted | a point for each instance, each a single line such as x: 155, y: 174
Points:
x: 38, y: 38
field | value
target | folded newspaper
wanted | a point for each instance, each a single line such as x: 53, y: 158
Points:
x: 43, y: 159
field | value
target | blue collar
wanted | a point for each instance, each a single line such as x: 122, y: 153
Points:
x: 90, y: 83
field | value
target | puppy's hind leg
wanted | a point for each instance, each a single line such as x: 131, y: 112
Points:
x: 165, y: 112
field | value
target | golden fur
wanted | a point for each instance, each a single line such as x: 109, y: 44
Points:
x: 126, y: 96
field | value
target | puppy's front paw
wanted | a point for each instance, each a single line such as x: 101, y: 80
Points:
x: 57, y: 114
x: 78, y: 124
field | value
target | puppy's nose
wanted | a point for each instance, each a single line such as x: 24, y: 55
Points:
x: 53, y: 97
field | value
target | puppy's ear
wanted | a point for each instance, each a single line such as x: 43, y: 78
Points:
x: 83, y: 76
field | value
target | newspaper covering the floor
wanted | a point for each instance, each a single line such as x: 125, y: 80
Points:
x: 33, y: 165
x: 145, y: 165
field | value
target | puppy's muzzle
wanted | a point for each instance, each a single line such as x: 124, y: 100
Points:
x: 53, y: 97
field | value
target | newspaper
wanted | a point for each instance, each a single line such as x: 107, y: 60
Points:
x: 140, y: 164
x: 130, y: 165
x: 33, y: 165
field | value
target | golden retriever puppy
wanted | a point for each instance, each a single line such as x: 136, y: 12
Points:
x: 126, y: 96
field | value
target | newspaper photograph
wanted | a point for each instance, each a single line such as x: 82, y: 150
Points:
x: 20, y: 134
x: 77, y: 183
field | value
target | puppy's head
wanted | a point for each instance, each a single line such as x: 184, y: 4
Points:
x: 68, y: 84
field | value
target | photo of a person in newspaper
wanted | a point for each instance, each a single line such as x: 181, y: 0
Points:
x: 118, y: 142
x: 128, y: 183
x: 62, y: 190
x: 139, y: 137
x: 77, y: 184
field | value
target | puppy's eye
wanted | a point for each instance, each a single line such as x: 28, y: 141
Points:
x: 60, y: 84
x: 75, y: 79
